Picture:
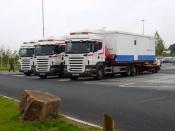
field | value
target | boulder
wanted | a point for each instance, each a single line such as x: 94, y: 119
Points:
x: 38, y: 105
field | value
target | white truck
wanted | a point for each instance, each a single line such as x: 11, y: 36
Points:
x: 49, y: 55
x: 26, y: 58
x: 109, y: 52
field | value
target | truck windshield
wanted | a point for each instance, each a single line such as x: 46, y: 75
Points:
x: 41, y: 50
x: 78, y: 47
x: 26, y: 52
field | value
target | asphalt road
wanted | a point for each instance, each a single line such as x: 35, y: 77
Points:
x: 141, y: 103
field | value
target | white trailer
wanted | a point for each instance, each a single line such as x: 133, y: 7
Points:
x: 109, y: 52
x: 49, y: 55
x: 26, y: 58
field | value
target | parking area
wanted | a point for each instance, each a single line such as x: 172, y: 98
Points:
x: 164, y: 80
x: 140, y: 103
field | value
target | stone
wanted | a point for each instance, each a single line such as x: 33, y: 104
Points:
x: 38, y: 105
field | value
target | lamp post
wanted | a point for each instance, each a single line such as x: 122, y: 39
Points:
x: 43, y: 24
x: 143, y: 24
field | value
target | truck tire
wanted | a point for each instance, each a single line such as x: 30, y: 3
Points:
x: 27, y: 74
x: 43, y: 76
x: 155, y: 70
x: 74, y: 78
x: 100, y: 73
x: 133, y: 71
x: 61, y: 75
x: 128, y: 71
x: 123, y: 74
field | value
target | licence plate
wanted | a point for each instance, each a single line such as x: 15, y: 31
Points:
x: 75, y: 74
x: 42, y: 74
x: 25, y: 71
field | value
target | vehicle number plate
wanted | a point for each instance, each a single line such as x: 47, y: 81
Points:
x: 42, y: 74
x: 75, y: 74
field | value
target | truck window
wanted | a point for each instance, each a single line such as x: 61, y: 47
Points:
x: 97, y: 46
x: 62, y: 48
x: 59, y: 49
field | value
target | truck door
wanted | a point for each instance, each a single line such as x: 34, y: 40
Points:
x: 98, y: 55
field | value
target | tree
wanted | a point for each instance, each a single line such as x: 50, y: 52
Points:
x: 159, y: 44
x: 7, y: 56
x: 1, y: 55
x: 172, y: 49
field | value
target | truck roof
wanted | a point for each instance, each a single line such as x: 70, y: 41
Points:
x: 50, y: 42
x: 109, y: 32
x: 28, y: 44
x: 127, y: 33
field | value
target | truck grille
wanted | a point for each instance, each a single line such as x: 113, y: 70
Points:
x: 42, y: 65
x: 25, y: 64
x: 76, y: 64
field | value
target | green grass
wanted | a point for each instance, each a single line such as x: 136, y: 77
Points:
x: 6, y: 68
x: 10, y: 121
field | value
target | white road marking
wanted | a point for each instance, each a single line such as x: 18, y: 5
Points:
x: 127, y: 84
x: 19, y: 75
x: 82, y: 122
x: 63, y: 80
x: 156, y: 99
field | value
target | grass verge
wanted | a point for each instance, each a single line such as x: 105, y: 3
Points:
x: 6, y: 68
x: 10, y: 121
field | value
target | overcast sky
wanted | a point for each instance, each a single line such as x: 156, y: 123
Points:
x: 20, y: 20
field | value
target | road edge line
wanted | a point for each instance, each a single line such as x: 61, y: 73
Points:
x: 68, y: 117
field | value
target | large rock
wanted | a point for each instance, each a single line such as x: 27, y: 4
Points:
x: 37, y: 105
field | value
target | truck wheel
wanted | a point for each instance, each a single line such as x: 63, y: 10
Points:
x: 74, y: 78
x: 99, y: 74
x: 61, y: 75
x: 27, y: 74
x: 128, y: 71
x: 156, y: 70
x: 43, y: 76
x: 123, y: 74
x: 133, y: 71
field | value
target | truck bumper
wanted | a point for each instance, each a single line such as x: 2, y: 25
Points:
x: 54, y: 70
x: 32, y: 70
x: 89, y: 72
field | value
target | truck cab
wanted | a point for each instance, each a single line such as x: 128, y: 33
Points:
x: 26, y: 58
x: 49, y: 54
x: 85, y: 54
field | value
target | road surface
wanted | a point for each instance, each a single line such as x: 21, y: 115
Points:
x: 141, y: 103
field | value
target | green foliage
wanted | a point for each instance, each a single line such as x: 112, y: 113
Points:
x: 172, y: 49
x: 7, y: 56
x: 6, y: 67
x: 159, y: 44
x: 10, y: 121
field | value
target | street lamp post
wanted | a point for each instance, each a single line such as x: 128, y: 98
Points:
x: 143, y: 23
x: 43, y: 18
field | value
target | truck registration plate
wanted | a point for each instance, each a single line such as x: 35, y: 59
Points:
x: 42, y: 74
x: 75, y: 74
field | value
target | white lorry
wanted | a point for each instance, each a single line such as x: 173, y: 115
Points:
x: 26, y: 58
x: 109, y: 52
x: 49, y: 55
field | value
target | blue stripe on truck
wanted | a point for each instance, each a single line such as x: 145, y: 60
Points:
x: 129, y: 58
x: 124, y: 58
x: 146, y: 57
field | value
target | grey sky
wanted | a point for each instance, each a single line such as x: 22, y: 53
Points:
x: 20, y: 20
